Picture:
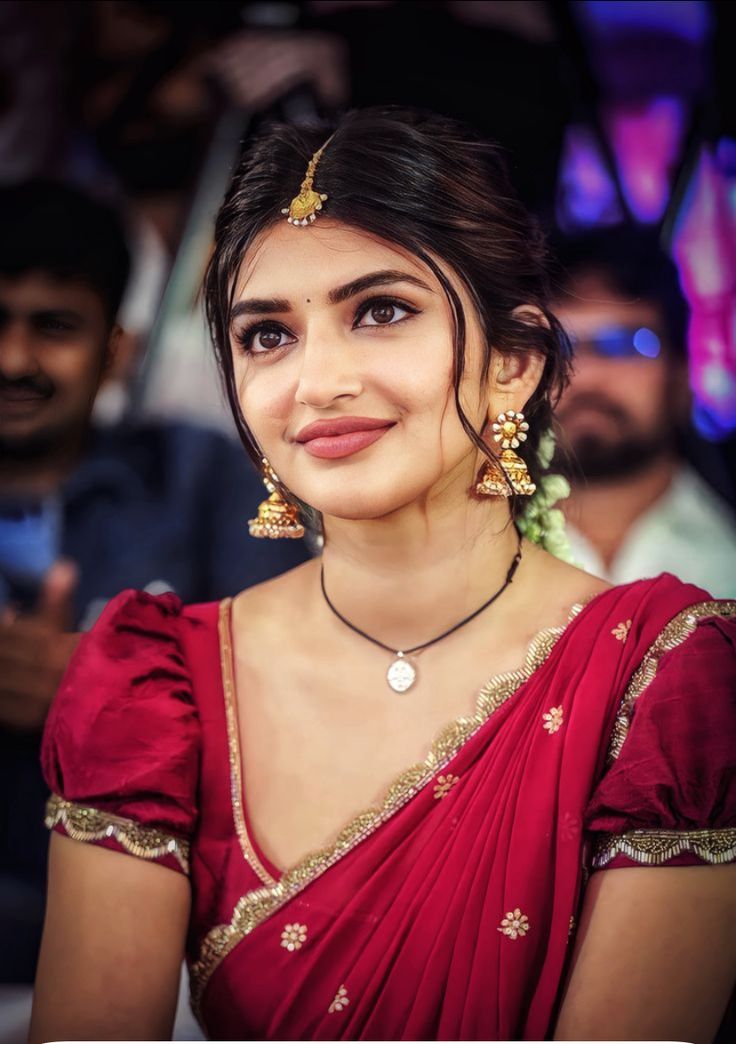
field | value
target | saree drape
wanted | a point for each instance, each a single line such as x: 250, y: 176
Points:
x: 447, y: 910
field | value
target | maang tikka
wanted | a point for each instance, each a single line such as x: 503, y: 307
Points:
x: 276, y: 517
x: 305, y: 207
x: 509, y: 474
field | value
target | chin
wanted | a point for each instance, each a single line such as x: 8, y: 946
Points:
x: 362, y: 504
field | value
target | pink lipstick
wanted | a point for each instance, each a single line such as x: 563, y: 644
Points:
x: 343, y: 436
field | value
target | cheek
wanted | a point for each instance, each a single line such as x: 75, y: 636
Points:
x: 265, y: 394
x: 75, y: 369
x: 643, y: 389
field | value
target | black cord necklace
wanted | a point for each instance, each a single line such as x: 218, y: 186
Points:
x: 402, y: 673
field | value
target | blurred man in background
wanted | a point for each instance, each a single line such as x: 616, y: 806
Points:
x: 637, y: 508
x: 85, y: 513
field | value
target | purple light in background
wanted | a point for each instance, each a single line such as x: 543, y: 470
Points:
x: 646, y: 139
x: 687, y: 18
x: 586, y: 193
x: 704, y: 247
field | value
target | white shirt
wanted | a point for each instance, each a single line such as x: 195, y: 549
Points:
x: 689, y: 532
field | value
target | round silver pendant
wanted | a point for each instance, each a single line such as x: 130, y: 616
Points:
x: 401, y: 675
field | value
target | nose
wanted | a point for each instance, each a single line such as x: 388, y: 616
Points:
x: 329, y: 370
x: 17, y: 358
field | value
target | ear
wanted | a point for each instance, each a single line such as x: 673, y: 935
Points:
x: 514, y: 376
x: 120, y: 352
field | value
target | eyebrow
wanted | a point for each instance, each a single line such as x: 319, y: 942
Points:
x: 270, y: 305
x: 66, y: 314
x: 41, y: 314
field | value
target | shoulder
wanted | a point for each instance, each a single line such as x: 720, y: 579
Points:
x: 124, y: 724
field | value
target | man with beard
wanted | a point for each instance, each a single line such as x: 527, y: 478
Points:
x: 636, y: 509
x: 85, y: 513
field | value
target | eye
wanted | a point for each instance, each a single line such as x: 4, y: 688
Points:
x: 261, y: 338
x: 384, y: 311
x: 55, y: 326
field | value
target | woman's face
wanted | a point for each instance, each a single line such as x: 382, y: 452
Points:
x: 343, y: 354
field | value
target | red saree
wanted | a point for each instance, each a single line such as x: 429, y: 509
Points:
x: 447, y: 911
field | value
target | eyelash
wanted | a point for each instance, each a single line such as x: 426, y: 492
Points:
x: 245, y: 337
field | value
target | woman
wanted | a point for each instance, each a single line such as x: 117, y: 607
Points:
x: 348, y: 865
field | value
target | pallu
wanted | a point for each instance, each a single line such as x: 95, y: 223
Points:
x: 448, y: 909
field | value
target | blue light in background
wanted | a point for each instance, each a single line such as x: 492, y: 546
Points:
x: 647, y: 343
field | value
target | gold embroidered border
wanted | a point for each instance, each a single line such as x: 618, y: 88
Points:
x: 655, y: 847
x: 255, y: 906
x: 674, y: 634
x: 83, y: 823
x: 233, y: 742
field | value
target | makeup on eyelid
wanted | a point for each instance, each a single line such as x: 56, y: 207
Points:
x: 246, y: 336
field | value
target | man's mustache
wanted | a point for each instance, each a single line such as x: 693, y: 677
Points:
x: 42, y: 387
x: 592, y: 401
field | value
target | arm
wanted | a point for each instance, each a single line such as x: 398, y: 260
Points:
x: 112, y: 948
x: 655, y: 957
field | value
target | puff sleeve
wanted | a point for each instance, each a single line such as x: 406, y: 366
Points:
x: 668, y: 796
x: 120, y: 751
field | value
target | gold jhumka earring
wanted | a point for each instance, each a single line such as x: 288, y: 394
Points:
x: 276, y: 517
x: 510, y: 473
x: 305, y: 207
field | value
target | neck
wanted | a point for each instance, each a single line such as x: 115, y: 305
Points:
x: 605, y: 511
x: 409, y: 576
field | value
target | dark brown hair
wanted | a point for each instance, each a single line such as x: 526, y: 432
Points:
x: 425, y: 183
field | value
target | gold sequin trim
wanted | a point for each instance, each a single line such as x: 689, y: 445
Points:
x: 444, y: 785
x: 655, y: 847
x: 82, y: 823
x: 515, y: 924
x: 341, y: 1001
x: 673, y: 635
x: 255, y: 906
x: 233, y: 742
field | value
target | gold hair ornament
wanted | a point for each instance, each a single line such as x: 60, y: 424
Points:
x: 304, y: 208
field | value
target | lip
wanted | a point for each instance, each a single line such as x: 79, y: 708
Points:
x: 340, y: 426
x: 13, y: 400
x: 343, y: 436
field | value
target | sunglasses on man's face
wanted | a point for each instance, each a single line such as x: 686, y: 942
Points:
x: 620, y: 342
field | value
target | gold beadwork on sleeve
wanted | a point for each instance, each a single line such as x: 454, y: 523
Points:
x: 83, y: 823
x: 655, y: 847
x: 673, y: 635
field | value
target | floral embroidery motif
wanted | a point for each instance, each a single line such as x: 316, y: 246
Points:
x: 621, y: 630
x: 553, y: 720
x: 444, y: 785
x: 515, y: 924
x: 570, y: 827
x: 341, y: 1001
x: 294, y: 936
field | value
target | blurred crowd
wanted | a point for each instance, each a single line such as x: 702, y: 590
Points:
x: 119, y: 123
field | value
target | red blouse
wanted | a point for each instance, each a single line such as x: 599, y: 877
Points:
x: 142, y: 755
